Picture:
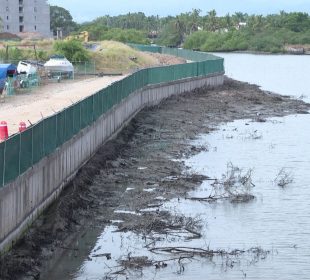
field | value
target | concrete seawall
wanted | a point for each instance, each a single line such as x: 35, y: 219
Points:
x: 25, y: 198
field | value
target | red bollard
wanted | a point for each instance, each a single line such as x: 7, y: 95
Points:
x: 4, y: 134
x: 22, y: 126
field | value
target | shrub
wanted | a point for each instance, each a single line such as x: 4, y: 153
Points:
x: 73, y: 50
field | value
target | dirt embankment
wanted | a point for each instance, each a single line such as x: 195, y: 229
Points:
x: 165, y: 59
x: 140, y: 157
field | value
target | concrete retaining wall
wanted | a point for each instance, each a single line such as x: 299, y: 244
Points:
x: 24, y: 199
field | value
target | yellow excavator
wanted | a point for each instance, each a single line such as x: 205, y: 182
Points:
x: 82, y: 36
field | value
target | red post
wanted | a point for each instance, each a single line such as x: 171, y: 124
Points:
x: 22, y: 126
x: 4, y: 134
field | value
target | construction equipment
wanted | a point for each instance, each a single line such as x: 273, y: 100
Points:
x: 82, y: 36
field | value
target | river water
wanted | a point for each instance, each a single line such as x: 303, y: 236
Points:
x: 277, y: 220
x: 284, y: 74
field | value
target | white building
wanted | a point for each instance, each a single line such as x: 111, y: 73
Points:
x: 25, y: 16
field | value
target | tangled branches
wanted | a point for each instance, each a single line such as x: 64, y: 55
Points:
x: 162, y: 222
x: 234, y: 185
x: 283, y: 178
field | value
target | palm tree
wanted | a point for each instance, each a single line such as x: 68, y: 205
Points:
x: 212, y: 22
x: 238, y: 17
x: 194, y: 20
x: 227, y: 21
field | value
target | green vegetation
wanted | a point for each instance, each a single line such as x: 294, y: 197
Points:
x: 130, y: 28
x: 126, y: 36
x: 236, y: 40
x: 73, y: 50
x: 104, y: 56
x: 17, y: 52
x: 120, y: 35
x: 112, y: 57
x: 210, y: 32
x: 192, y: 30
x: 170, y: 35
x: 257, y: 33
x: 61, y: 18
x: 137, y: 21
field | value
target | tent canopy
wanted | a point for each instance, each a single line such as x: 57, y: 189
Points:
x: 4, y: 68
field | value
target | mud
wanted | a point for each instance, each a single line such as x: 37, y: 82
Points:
x: 138, y: 170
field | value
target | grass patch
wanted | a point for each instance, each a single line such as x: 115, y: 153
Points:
x: 111, y: 56
x: 107, y: 56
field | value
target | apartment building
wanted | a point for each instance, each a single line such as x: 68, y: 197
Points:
x: 25, y: 16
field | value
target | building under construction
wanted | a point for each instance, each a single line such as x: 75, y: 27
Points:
x: 20, y: 16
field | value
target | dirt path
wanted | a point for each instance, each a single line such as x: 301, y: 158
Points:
x: 48, y: 99
x: 141, y: 156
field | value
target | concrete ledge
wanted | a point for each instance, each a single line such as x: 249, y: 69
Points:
x: 22, y: 201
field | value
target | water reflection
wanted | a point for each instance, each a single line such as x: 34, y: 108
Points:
x: 285, y: 74
x: 278, y: 219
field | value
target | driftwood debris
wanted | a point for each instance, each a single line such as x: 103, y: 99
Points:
x: 235, y: 185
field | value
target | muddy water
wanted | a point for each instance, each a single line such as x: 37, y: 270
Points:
x: 277, y: 220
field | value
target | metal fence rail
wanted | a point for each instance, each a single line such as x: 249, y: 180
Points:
x: 23, y: 150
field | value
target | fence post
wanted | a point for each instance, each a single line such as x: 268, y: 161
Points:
x: 3, y: 179
x: 43, y: 137
x: 80, y: 116
x: 56, y: 134
x: 20, y: 149
x: 32, y: 145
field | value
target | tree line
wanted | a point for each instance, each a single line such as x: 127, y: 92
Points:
x: 194, y: 30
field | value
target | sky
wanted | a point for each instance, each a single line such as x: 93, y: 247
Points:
x: 83, y: 10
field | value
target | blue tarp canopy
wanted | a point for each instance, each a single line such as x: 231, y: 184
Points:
x: 4, y: 69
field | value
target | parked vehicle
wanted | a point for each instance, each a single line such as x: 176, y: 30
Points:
x: 26, y: 67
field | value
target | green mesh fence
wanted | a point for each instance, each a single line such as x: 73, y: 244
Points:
x: 38, y: 138
x: 98, y: 107
x: 84, y: 68
x: 61, y: 127
x: 77, y: 121
x: 12, y: 150
x: 69, y: 123
x: 2, y: 147
x: 50, y: 134
x: 90, y: 109
x: 105, y: 99
x: 21, y: 151
x: 146, y: 48
x: 26, y: 149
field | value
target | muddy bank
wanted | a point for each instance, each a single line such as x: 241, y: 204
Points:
x: 141, y: 158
